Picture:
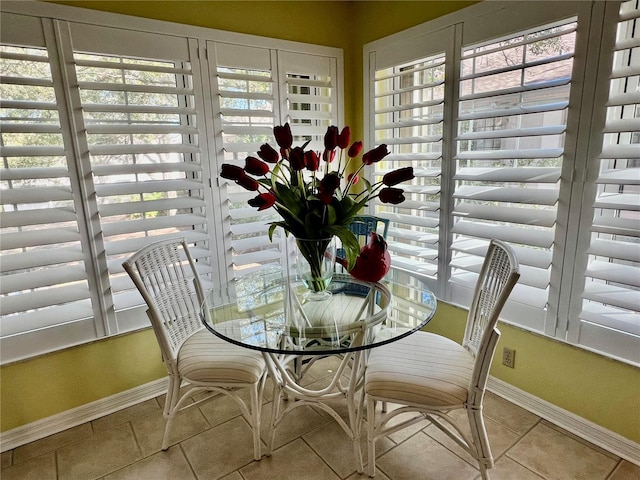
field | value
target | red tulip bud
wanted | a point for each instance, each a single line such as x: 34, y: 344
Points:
x: 375, y: 155
x: 268, y: 153
x: 344, y: 138
x: 231, y: 172
x: 391, y: 195
x: 283, y: 135
x: 397, y: 176
x: 263, y: 201
x: 312, y: 160
x: 331, y: 138
x: 354, y: 177
x: 296, y: 158
x: 248, y: 183
x: 355, y: 149
x: 255, y: 166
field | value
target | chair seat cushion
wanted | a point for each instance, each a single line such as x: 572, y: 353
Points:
x: 423, y: 369
x: 205, y: 357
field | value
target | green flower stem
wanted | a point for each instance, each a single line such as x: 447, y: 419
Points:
x: 313, y: 252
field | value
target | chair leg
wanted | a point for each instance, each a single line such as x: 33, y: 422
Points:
x: 170, y: 409
x: 371, y: 440
x: 256, y: 412
x: 480, y: 441
x: 275, y: 413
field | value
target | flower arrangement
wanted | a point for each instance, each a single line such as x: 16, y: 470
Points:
x: 311, y: 191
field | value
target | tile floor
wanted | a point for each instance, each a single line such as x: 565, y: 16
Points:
x: 212, y: 441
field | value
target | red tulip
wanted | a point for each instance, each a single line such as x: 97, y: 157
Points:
x: 354, y: 177
x: 325, y: 197
x: 283, y: 135
x: 248, y: 183
x: 328, y: 155
x: 398, y: 176
x: 375, y: 155
x: 391, y: 195
x: 268, y: 153
x: 255, y: 166
x: 296, y: 158
x: 344, y: 138
x: 231, y: 172
x: 263, y: 201
x: 331, y: 138
x: 329, y: 183
x: 355, y: 149
x: 312, y: 160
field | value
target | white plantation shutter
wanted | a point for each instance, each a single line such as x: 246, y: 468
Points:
x: 540, y: 148
x: 143, y: 134
x: 245, y: 88
x: 309, y: 99
x: 112, y: 134
x: 514, y: 94
x: 256, y: 89
x: 610, y: 313
x: 408, y: 115
x: 44, y: 275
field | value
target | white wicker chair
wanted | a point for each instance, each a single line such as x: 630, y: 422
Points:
x: 433, y: 376
x: 165, y: 274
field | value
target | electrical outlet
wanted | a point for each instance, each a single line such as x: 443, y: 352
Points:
x: 508, y: 357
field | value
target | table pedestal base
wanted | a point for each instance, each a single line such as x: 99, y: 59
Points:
x: 289, y: 394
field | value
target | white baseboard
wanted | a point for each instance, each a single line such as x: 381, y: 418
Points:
x: 79, y: 415
x: 606, y: 439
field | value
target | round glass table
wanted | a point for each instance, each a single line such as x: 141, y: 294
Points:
x: 269, y: 312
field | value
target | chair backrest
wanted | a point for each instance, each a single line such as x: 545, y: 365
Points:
x: 499, y: 274
x: 362, y: 225
x: 165, y: 275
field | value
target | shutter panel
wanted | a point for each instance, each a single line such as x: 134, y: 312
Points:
x: 256, y: 87
x: 513, y: 100
x: 408, y: 101
x: 246, y: 94
x: 143, y: 135
x: 611, y: 296
x: 44, y: 277
x: 309, y: 98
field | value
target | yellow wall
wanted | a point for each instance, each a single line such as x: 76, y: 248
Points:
x: 591, y: 386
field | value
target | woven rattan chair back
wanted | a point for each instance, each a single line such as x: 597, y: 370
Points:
x: 165, y: 275
x: 497, y: 277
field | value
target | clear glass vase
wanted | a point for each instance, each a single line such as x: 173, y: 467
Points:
x: 315, y: 262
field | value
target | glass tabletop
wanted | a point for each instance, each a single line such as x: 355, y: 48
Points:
x: 269, y: 312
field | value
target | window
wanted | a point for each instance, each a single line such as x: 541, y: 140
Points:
x: 511, y: 151
x: 112, y: 137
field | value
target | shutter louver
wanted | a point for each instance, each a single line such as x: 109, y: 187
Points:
x: 408, y: 102
x: 512, y: 113
x: 611, y: 296
x: 141, y: 129
x: 44, y: 278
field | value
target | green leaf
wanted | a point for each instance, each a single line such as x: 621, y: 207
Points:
x: 349, y: 243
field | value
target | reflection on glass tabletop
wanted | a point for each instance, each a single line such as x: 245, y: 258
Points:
x: 270, y: 312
